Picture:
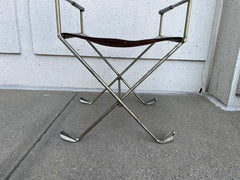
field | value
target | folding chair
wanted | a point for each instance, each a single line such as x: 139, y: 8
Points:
x: 119, y: 76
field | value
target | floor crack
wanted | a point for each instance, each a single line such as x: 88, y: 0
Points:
x: 39, y: 138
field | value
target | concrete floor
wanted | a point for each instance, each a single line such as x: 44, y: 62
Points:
x: 207, y: 144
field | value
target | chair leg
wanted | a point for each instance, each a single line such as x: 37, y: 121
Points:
x: 90, y: 102
x: 149, y: 102
x: 166, y: 139
x: 70, y: 138
x: 169, y: 138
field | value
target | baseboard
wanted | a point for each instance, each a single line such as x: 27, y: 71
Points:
x: 16, y: 87
x: 219, y: 104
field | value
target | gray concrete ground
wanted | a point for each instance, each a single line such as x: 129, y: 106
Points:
x: 24, y: 116
x: 207, y: 144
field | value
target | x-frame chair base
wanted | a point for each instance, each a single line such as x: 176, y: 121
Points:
x: 119, y: 98
x: 149, y: 102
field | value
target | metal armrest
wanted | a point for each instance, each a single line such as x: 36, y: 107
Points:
x: 76, y: 5
x: 81, y: 9
x: 58, y: 16
x: 162, y: 11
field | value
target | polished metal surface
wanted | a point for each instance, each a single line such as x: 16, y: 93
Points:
x: 119, y: 101
x: 68, y: 137
x: 187, y: 20
x: 85, y: 101
x: 76, y: 5
x: 161, y: 25
x: 119, y: 97
x: 58, y: 17
x: 119, y: 75
x: 164, y: 10
x: 149, y: 102
x: 81, y: 21
x: 168, y: 138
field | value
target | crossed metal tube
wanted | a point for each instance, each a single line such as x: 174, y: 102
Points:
x: 107, y: 87
x: 70, y: 138
x: 119, y: 78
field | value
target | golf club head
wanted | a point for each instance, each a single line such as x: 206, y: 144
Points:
x: 168, y: 138
x: 68, y: 137
x: 85, y: 101
x: 151, y: 102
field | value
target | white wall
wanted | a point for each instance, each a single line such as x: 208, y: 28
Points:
x: 32, y: 57
x: 225, y: 70
x: 234, y: 98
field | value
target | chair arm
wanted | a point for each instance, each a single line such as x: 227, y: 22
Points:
x: 187, y: 20
x: 162, y: 11
x: 76, y: 5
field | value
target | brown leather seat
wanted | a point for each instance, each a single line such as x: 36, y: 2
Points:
x: 120, y: 42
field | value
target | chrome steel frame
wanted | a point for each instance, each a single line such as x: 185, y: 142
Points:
x: 119, y: 97
x: 119, y: 78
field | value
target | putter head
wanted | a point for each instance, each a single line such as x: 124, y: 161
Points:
x: 85, y: 101
x: 68, y: 137
x: 168, y: 138
x: 151, y: 102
